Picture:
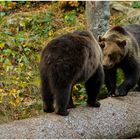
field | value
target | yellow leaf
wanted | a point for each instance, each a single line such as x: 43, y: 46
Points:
x: 17, y: 100
x: 13, y: 90
x: 29, y: 73
x: 50, y: 33
x: 75, y: 87
x: 12, y: 103
x: 2, y: 45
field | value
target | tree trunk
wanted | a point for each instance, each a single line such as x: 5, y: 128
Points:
x: 97, y: 13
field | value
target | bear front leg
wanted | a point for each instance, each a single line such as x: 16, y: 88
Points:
x: 110, y: 80
x: 47, y: 96
x: 137, y: 88
x: 131, y: 78
x: 93, y: 86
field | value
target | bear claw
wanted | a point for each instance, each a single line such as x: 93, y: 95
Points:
x: 120, y: 91
x: 96, y: 104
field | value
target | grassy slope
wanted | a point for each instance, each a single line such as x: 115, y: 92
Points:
x: 23, y: 34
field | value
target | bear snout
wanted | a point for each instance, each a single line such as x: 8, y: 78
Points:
x: 109, y: 66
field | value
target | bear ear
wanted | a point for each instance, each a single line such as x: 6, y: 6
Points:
x: 100, y: 38
x: 101, y: 41
x: 121, y: 43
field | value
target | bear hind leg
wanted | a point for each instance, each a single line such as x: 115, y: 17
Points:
x: 47, y: 96
x: 71, y: 104
x: 62, y: 98
x: 93, y: 86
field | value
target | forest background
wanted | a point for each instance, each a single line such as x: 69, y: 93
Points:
x: 25, y: 28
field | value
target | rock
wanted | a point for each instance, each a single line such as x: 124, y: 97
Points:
x: 130, y: 15
x: 133, y: 17
x: 18, y: 20
x: 120, y: 7
x: 118, y: 117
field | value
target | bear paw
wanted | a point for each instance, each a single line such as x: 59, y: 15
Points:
x: 48, y: 109
x: 111, y: 94
x: 94, y: 104
x: 62, y: 113
x: 71, y: 106
x: 137, y: 88
x: 120, y: 91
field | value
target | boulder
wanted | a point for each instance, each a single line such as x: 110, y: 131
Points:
x: 118, y: 117
x: 133, y: 17
x: 130, y: 15
x: 120, y: 7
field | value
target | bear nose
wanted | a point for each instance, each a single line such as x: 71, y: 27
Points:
x: 107, y: 66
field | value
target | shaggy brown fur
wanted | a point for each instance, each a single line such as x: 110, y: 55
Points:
x: 121, y: 49
x: 66, y: 60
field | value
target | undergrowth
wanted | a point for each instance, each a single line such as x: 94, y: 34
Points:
x: 22, y: 37
x: 26, y: 27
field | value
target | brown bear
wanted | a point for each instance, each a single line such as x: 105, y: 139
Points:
x: 68, y: 59
x: 121, y: 49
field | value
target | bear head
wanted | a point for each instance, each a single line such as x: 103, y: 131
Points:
x: 113, y: 50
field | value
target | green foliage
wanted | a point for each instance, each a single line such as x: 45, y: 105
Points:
x: 79, y: 94
x: 116, y: 20
x: 5, y: 7
x: 136, y: 4
x: 70, y: 18
x: 78, y: 6
x: 120, y: 76
x: 23, y: 35
x: 103, y: 93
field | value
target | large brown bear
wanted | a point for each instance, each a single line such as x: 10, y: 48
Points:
x: 121, y: 49
x: 68, y: 59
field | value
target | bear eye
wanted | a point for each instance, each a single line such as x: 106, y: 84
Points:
x: 102, y: 44
x: 122, y: 55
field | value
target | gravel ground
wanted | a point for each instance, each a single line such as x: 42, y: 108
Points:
x: 118, y: 117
